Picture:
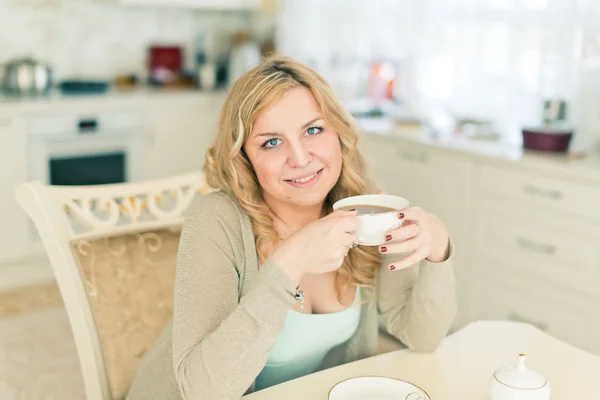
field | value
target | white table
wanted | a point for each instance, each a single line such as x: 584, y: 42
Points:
x: 461, y: 367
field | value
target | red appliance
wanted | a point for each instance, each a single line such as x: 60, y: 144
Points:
x: 166, y: 62
x: 547, y: 139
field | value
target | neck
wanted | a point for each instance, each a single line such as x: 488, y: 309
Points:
x: 294, y: 217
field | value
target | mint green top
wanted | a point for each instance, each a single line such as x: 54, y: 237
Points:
x: 305, y: 341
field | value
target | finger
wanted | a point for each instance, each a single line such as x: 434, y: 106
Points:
x: 409, y: 261
x: 412, y: 214
x: 335, y: 265
x: 346, y: 224
x: 380, y: 192
x: 341, y: 256
x: 403, y: 233
x: 407, y: 246
x: 347, y: 239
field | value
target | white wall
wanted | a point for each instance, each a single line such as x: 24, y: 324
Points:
x: 98, y: 39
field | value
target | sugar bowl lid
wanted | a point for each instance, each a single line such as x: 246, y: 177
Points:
x: 519, y: 376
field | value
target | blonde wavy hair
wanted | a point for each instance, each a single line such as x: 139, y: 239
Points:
x: 229, y: 169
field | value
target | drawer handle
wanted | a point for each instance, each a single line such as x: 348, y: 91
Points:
x: 421, y: 157
x: 513, y: 316
x: 547, y: 193
x: 538, y: 247
x: 88, y: 125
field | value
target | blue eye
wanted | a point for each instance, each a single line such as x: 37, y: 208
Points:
x: 313, y: 130
x: 269, y: 144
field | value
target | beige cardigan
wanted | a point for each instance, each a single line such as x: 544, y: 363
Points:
x: 228, y: 312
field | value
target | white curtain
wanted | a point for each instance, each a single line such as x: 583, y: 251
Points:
x: 341, y: 38
x: 487, y: 59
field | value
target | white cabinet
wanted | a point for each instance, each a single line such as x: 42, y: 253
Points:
x: 526, y: 242
x: 437, y: 181
x: 535, y: 249
x: 193, y: 4
x: 14, y: 233
x: 537, y: 190
x: 543, y: 245
x: 507, y: 295
x: 178, y: 133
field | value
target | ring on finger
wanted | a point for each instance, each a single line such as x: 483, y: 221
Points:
x: 353, y: 244
x: 348, y: 247
x: 419, y: 230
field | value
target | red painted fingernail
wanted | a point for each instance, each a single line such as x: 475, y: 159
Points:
x: 392, y: 267
x: 383, y: 249
x: 400, y: 215
x: 388, y: 237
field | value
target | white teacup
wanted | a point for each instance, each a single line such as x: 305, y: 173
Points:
x: 377, y: 213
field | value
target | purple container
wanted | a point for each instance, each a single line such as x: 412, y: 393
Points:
x: 547, y: 139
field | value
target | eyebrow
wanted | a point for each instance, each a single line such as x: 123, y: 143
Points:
x: 276, y: 134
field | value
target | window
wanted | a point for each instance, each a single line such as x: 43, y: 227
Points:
x: 499, y: 59
x: 487, y: 59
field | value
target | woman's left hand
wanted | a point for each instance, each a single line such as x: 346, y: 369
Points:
x: 422, y: 234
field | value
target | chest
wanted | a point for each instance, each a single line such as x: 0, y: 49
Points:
x: 321, y: 293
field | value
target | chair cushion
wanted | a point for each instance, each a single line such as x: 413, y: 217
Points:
x: 129, y: 281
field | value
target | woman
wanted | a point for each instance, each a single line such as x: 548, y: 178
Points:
x: 285, y: 151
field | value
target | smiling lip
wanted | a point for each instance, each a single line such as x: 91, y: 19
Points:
x: 306, y: 180
x: 311, y: 175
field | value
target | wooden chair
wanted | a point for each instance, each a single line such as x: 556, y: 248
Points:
x: 113, y: 251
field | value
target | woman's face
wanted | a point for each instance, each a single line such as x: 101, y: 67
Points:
x: 296, y: 157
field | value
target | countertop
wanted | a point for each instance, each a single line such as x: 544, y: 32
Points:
x: 131, y: 97
x: 581, y: 167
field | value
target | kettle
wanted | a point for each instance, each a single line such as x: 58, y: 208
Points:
x: 26, y: 76
x: 517, y: 382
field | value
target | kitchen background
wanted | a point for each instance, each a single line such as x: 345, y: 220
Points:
x: 442, y: 52
x: 104, y: 39
x: 486, y: 113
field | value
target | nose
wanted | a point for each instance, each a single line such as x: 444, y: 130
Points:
x: 300, y: 156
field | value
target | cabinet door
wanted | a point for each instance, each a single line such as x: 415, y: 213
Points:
x: 437, y: 181
x: 178, y: 135
x: 14, y: 233
x: 540, y: 243
x: 503, y: 295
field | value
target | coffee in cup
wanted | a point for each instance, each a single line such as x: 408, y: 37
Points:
x: 372, y: 209
x: 377, y: 215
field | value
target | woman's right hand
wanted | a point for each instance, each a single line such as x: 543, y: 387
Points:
x: 319, y: 247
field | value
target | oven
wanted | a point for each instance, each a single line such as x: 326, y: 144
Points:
x: 85, y: 149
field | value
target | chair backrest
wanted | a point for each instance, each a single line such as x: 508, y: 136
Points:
x: 113, y: 249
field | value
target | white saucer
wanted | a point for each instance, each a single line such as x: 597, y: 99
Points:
x: 376, y: 388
